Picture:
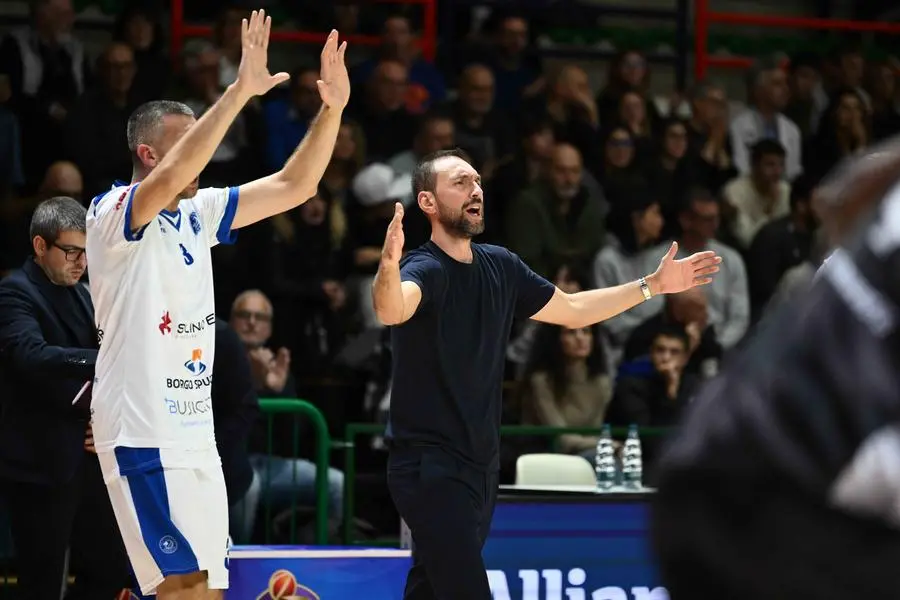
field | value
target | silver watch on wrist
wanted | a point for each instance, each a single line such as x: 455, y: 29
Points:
x: 645, y: 289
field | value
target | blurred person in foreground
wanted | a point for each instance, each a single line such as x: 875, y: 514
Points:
x: 50, y: 477
x: 784, y: 480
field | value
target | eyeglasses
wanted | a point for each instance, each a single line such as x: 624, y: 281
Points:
x: 73, y: 253
x: 248, y: 315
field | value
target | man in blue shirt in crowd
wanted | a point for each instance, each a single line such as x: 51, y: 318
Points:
x: 451, y: 304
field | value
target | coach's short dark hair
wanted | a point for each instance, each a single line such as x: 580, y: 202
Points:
x: 56, y: 215
x: 425, y: 177
x: 144, y: 122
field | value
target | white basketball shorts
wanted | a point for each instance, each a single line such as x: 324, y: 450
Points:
x: 173, y: 521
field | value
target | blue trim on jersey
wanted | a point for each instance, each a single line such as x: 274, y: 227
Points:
x: 224, y: 234
x: 173, y: 217
x: 132, y: 236
x: 170, y: 550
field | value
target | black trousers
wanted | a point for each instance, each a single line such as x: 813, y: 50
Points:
x: 447, y: 505
x: 45, y: 521
x: 746, y: 542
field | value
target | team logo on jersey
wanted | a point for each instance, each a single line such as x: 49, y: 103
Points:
x: 195, y: 223
x: 168, y: 545
x: 283, y: 586
x: 165, y: 326
x: 195, y: 365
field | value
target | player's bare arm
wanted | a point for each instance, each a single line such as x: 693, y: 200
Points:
x: 395, y: 302
x: 299, y: 179
x: 586, y: 308
x: 190, y: 155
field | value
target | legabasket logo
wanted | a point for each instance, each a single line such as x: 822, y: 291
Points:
x: 283, y: 585
x: 554, y: 590
x: 188, y: 329
x: 195, y: 367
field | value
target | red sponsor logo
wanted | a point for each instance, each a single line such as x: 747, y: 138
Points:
x: 165, y: 325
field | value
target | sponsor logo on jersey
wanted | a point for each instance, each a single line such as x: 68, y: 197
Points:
x: 283, y: 585
x: 187, y: 329
x: 196, y: 365
x: 189, y: 408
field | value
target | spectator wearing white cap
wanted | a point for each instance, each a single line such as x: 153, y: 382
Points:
x: 375, y: 188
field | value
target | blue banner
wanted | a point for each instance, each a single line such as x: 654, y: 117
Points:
x: 316, y: 573
x: 560, y: 549
x: 570, y: 550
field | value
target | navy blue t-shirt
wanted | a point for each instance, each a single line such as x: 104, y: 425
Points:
x: 448, y: 359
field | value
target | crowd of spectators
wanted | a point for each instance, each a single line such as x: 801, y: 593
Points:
x: 587, y: 186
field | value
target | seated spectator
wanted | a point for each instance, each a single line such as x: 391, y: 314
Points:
x: 567, y: 386
x: 559, y: 220
x: 280, y: 481
x: 780, y: 245
x: 251, y: 319
x: 435, y: 131
x: 530, y: 164
x: 687, y: 311
x: 671, y: 171
x: 426, y: 84
x: 632, y: 250
x: 287, y: 119
x: 101, y: 116
x: 140, y: 28
x: 883, y: 90
x: 376, y: 189
x: 381, y: 111
x: 657, y: 394
x: 803, y: 79
x: 486, y: 134
x: 48, y: 70
x: 348, y: 158
x: 845, y: 130
x: 709, y: 139
x: 309, y: 262
x: 760, y: 196
x: 620, y: 173
x: 627, y: 72
x: 569, y: 105
x: 729, y: 299
x: 633, y: 114
x: 765, y: 120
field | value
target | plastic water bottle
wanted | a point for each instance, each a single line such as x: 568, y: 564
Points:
x: 605, y: 460
x: 632, y: 462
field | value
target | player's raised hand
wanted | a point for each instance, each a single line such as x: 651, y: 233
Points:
x: 393, y: 241
x: 334, y: 82
x: 253, y: 74
x: 675, y: 276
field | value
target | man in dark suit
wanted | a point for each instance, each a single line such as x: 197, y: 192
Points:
x: 49, y: 475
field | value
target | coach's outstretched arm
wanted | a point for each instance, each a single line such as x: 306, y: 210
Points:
x: 586, y: 308
x: 299, y: 179
x: 394, y: 301
x: 190, y: 155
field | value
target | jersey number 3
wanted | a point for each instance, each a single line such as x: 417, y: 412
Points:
x: 188, y: 259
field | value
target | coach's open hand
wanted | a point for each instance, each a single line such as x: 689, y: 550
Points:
x: 253, y: 74
x: 393, y: 241
x: 334, y: 85
x: 675, y: 276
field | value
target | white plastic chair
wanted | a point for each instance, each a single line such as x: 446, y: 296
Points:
x: 554, y: 469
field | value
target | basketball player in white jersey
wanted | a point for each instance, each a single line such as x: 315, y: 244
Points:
x: 148, y: 244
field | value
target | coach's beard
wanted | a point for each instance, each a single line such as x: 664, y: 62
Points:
x: 461, y: 223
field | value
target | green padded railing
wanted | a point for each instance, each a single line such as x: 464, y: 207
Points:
x: 354, y: 430
x: 273, y: 406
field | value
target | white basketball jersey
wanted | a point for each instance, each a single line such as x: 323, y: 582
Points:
x: 153, y: 299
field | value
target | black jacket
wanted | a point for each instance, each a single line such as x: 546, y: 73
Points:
x: 48, y: 349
